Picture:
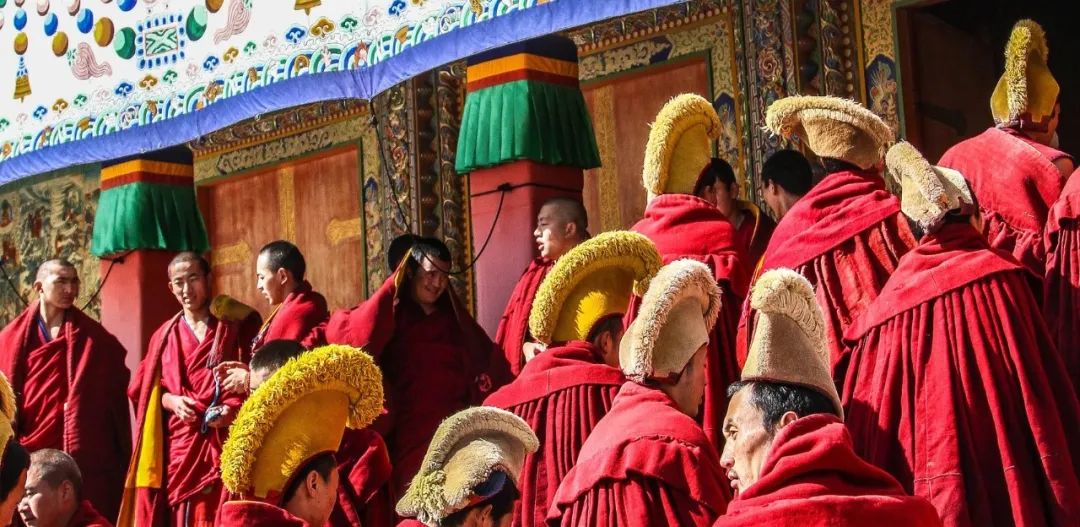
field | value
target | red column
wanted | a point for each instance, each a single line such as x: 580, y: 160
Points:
x: 512, y: 245
x: 135, y: 299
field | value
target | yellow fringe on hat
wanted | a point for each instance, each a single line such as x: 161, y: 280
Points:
x: 227, y: 308
x: 917, y: 177
x: 786, y: 292
x: 7, y: 412
x: 609, y: 251
x: 328, y: 368
x: 679, y: 145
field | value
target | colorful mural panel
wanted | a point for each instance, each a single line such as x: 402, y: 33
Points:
x: 46, y: 218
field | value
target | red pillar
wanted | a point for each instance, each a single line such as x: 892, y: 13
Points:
x: 135, y: 299
x: 512, y: 245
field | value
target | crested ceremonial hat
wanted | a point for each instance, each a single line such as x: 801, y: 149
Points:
x: 299, y: 413
x: 593, y: 281
x: 472, y: 456
x: 788, y: 345
x: 676, y: 317
x: 1027, y: 92
x: 680, y: 144
x: 832, y: 127
x: 928, y: 192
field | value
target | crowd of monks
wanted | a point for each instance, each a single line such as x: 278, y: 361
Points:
x: 865, y: 359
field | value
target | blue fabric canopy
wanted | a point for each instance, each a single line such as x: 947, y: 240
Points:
x: 362, y: 83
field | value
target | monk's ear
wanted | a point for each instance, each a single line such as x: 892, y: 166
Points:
x: 312, y: 482
x: 786, y: 419
x: 484, y: 516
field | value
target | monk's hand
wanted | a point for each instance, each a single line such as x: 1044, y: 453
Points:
x: 224, y: 418
x: 233, y: 376
x: 180, y: 406
x: 532, y: 349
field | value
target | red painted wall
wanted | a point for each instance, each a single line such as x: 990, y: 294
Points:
x: 512, y: 245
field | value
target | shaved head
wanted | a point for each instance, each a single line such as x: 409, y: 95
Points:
x: 51, y: 266
x: 567, y: 210
x: 190, y: 257
x: 56, y: 467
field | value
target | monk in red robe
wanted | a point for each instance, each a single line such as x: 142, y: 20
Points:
x: 56, y: 358
x: 785, y: 178
x: 363, y: 460
x: 954, y: 385
x: 846, y: 234
x: 565, y: 390
x: 278, y: 463
x: 561, y: 224
x: 54, y: 489
x: 685, y: 226
x: 1013, y: 167
x: 298, y: 310
x: 435, y: 358
x: 787, y: 453
x: 1061, y: 288
x: 717, y: 185
x: 647, y: 462
x: 182, y: 413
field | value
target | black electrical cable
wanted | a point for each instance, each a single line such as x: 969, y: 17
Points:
x: 101, y: 284
x: 386, y: 166
x: 3, y: 269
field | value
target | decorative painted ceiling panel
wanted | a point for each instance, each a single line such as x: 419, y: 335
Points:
x: 87, y: 69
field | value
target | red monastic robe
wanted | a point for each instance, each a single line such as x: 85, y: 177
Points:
x: 562, y: 393
x: 87, y: 516
x: 812, y: 478
x: 684, y: 226
x: 1061, y: 288
x: 295, y: 319
x: 178, y: 362
x: 433, y: 365
x: 514, y: 324
x: 257, y: 514
x: 752, y: 237
x: 845, y: 236
x: 955, y: 388
x: 364, y: 496
x: 64, y: 401
x: 646, y: 463
x: 1016, y: 182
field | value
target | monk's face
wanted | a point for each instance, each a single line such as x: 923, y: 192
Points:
x: 190, y: 285
x: 747, y: 442
x: 554, y: 235
x: 11, y: 501
x: 58, y: 286
x: 271, y: 282
x: 429, y: 280
x: 689, y: 392
x: 44, y: 505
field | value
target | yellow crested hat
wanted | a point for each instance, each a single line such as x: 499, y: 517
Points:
x: 832, y: 127
x: 680, y: 144
x: 7, y: 412
x: 677, y: 314
x: 788, y: 344
x: 225, y: 307
x: 593, y: 281
x: 472, y: 455
x: 927, y: 193
x: 1027, y: 92
x: 300, y: 412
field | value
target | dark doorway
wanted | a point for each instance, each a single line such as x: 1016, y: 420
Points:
x: 952, y: 53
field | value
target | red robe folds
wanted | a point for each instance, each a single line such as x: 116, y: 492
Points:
x: 1061, y: 288
x: 178, y: 362
x: 514, y: 324
x: 1016, y: 182
x: 684, y: 226
x: 71, y: 397
x: 845, y: 236
x: 364, y: 468
x: 87, y: 516
x: 646, y: 463
x: 433, y: 365
x: 295, y: 319
x: 257, y: 514
x: 752, y: 237
x: 955, y: 388
x: 562, y: 393
x: 812, y: 478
